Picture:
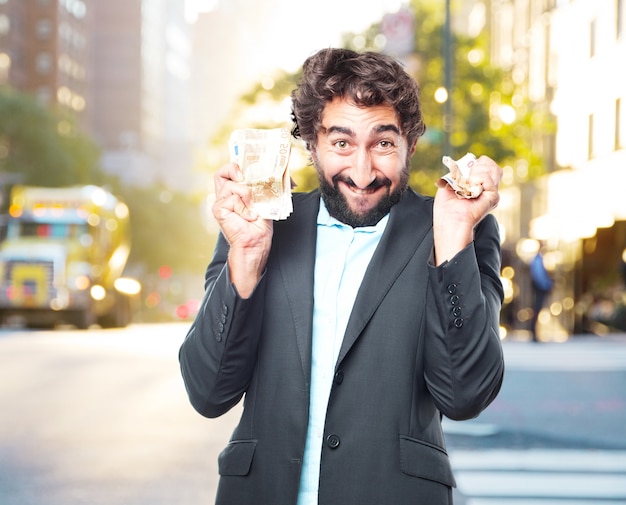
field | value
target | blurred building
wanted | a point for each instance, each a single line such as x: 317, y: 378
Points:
x: 566, y: 56
x: 141, y: 79
x: 123, y: 66
x: 45, y: 50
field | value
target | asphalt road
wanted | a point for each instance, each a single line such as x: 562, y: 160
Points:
x: 101, y: 417
x: 555, y: 435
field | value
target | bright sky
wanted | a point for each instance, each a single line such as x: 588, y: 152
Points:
x: 319, y: 23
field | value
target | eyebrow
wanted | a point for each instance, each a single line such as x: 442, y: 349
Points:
x: 387, y: 128
x: 339, y: 129
x: 348, y: 131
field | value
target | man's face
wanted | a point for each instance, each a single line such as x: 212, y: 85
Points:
x: 362, y: 161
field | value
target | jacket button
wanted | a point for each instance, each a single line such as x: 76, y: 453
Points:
x: 218, y: 331
x: 339, y: 377
x: 333, y: 441
x: 456, y: 311
x: 452, y: 288
x: 454, y: 299
x: 458, y: 322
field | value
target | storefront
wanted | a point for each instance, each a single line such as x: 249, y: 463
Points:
x: 579, y: 216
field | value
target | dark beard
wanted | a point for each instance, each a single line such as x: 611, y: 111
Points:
x: 338, y: 206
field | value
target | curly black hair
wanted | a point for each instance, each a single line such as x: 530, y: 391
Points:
x: 367, y: 79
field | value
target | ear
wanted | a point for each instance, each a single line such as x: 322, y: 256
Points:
x: 413, y: 147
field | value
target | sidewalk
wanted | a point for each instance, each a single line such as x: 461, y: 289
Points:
x: 515, y: 336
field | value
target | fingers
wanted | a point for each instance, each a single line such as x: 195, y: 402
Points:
x: 233, y: 204
x: 484, y: 173
x: 230, y: 195
x: 487, y: 173
x: 225, y: 174
x: 485, y: 177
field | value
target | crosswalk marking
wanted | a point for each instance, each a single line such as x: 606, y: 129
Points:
x: 551, y: 501
x: 543, y: 476
x: 541, y: 485
x: 540, y: 477
x: 570, y: 460
x: 578, y: 356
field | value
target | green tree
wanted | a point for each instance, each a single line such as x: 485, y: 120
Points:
x: 43, y: 146
x: 167, y: 229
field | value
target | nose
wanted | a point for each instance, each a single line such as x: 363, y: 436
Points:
x: 363, y: 171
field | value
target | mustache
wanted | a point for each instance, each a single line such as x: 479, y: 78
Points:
x: 375, y: 184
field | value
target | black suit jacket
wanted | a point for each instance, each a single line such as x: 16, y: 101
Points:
x: 421, y: 342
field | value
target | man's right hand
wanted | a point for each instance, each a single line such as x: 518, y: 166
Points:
x: 249, y: 236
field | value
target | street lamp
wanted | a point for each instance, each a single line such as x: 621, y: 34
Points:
x: 447, y: 115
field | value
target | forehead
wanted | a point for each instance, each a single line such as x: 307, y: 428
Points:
x: 344, y: 113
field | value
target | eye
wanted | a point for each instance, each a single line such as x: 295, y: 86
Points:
x: 341, y: 144
x: 385, y: 144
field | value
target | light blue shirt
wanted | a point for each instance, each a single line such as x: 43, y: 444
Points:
x: 341, y: 258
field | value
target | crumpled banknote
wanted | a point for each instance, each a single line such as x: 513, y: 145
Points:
x: 263, y: 156
x: 459, y: 174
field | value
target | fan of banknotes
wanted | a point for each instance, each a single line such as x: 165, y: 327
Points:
x: 263, y: 156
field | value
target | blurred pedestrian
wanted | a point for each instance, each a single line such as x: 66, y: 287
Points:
x: 352, y: 326
x: 623, y: 266
x: 542, y: 285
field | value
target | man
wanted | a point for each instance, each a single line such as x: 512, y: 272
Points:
x: 542, y: 285
x: 355, y: 324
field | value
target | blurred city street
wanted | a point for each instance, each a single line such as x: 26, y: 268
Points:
x: 114, y: 118
x: 101, y: 417
x: 555, y: 434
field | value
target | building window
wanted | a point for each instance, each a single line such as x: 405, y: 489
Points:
x: 618, y: 124
x: 43, y: 63
x: 44, y: 29
x: 592, y: 39
x: 5, y: 24
x: 590, y: 138
x: 44, y: 95
x: 77, y: 8
x: 5, y: 66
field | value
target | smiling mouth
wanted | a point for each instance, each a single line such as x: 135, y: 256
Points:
x: 360, y: 191
x: 372, y: 188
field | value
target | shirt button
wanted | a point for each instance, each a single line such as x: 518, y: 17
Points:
x: 333, y: 441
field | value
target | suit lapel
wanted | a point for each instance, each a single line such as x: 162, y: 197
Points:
x: 295, y: 247
x: 410, y: 222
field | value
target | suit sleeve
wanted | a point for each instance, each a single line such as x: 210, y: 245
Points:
x: 218, y: 355
x: 464, y: 365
